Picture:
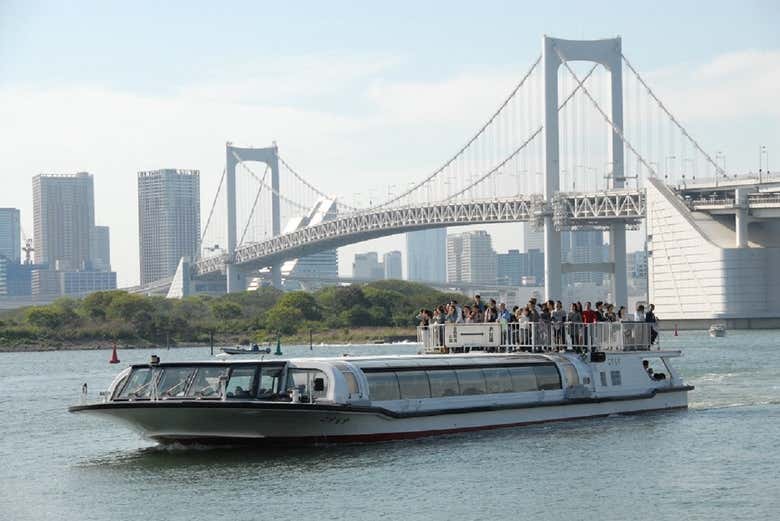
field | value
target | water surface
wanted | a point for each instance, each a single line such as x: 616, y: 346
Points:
x: 717, y: 460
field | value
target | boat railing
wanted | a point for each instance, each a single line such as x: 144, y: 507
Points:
x: 538, y: 337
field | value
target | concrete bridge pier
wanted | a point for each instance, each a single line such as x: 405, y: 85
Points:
x: 741, y: 216
x: 617, y: 247
x: 235, y: 278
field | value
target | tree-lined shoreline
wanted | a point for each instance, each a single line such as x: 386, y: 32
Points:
x: 381, y: 311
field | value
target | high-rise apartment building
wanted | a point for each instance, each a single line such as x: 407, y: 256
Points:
x: 392, y: 265
x: 426, y: 255
x: 63, y: 219
x: 470, y: 258
x: 10, y: 235
x: 168, y: 220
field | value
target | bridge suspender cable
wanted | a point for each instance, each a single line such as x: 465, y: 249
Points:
x: 524, y: 143
x: 470, y: 141
x: 213, y: 205
x: 625, y: 141
x: 719, y: 171
x: 309, y: 185
x: 616, y: 130
x: 263, y: 183
x: 254, y: 205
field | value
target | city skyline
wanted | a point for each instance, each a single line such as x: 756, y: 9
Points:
x: 329, y: 106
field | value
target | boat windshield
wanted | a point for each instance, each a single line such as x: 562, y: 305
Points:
x: 138, y: 386
x: 173, y: 381
x: 206, y: 382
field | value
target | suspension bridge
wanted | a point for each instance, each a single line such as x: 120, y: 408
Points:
x: 576, y: 144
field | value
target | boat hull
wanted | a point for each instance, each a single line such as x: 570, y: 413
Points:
x: 300, y: 424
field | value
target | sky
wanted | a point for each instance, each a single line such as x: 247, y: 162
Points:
x: 357, y: 95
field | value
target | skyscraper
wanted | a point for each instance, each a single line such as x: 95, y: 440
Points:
x: 510, y: 267
x: 583, y: 247
x: 10, y: 235
x: 470, y: 258
x: 392, y: 265
x: 426, y: 255
x: 532, y: 239
x: 168, y: 220
x: 367, y: 266
x: 101, y: 248
x: 63, y: 216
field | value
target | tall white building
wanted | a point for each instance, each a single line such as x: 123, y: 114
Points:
x: 393, y: 265
x: 10, y: 235
x: 168, y: 220
x: 426, y: 255
x: 64, y: 219
x: 470, y: 258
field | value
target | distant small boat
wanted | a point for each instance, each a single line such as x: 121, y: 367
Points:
x: 718, y: 330
x: 255, y: 349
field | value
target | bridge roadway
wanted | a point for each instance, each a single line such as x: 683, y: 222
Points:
x: 568, y: 210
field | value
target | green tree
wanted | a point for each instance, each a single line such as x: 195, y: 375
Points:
x: 45, y: 317
x: 303, y: 301
x: 226, y: 310
x: 284, y: 319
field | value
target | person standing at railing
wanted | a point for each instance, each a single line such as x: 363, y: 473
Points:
x: 639, y: 315
x: 574, y: 318
x: 524, y: 325
x: 589, y: 318
x: 467, y: 318
x: 651, y: 319
x: 558, y: 318
x: 439, y: 319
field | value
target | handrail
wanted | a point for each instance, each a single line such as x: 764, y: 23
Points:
x: 540, y: 336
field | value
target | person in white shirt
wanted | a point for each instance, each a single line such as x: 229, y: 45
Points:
x: 639, y: 314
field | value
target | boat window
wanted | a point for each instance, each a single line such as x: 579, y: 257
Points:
x: 270, y: 380
x: 241, y: 381
x: 572, y: 378
x: 414, y: 384
x: 206, y: 382
x: 139, y: 385
x: 173, y: 382
x: 603, y: 378
x: 547, y: 377
x: 471, y: 381
x: 523, y: 379
x: 616, y: 378
x: 498, y: 380
x: 305, y: 381
x: 352, y: 384
x: 443, y: 383
x: 383, y: 386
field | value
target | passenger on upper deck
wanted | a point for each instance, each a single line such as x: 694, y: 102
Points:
x: 639, y: 315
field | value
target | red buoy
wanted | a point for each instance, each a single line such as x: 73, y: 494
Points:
x: 114, y: 358
x: 675, y: 330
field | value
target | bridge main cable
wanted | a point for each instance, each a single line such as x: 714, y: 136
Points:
x: 524, y: 143
x: 470, y: 141
x: 718, y: 169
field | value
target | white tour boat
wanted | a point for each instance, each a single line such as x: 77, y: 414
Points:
x: 467, y: 377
